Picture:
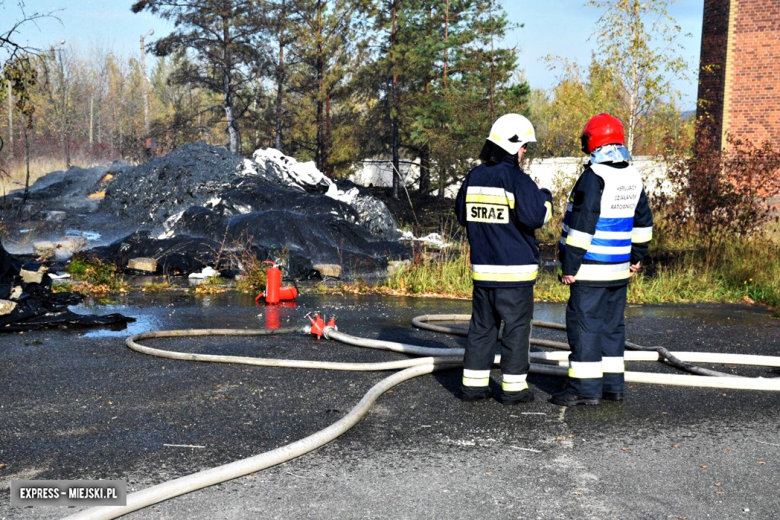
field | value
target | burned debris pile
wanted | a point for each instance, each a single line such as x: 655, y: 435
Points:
x: 28, y: 303
x: 198, y: 204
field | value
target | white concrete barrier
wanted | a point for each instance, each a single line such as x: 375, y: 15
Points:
x: 556, y: 172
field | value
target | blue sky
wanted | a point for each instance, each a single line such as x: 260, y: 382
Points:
x: 556, y: 27
x: 83, y: 23
x: 564, y: 28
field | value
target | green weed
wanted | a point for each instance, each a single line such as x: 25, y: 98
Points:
x: 211, y: 285
x: 91, y: 276
x: 433, y: 272
x: 156, y: 287
x: 253, y: 278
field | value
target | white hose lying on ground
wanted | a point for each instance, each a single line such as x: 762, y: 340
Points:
x: 436, y: 359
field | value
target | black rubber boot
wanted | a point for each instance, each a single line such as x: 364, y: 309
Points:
x: 612, y: 396
x: 526, y: 396
x: 470, y: 394
x: 569, y: 398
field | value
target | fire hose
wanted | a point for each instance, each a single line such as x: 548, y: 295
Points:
x: 434, y: 359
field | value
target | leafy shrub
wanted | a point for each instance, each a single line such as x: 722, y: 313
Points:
x: 718, y: 195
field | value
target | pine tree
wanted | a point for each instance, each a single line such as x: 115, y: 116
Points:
x: 329, y: 43
x: 225, y: 37
x: 461, y: 81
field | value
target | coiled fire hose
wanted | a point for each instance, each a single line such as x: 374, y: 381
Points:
x: 424, y: 322
x: 548, y: 363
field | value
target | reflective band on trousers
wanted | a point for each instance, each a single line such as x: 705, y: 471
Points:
x: 476, y: 377
x: 514, y: 383
x: 640, y: 235
x: 504, y: 273
x: 613, y: 365
x: 601, y: 272
x: 585, y: 369
x: 488, y: 195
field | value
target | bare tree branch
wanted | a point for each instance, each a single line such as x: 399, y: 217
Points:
x: 10, y: 45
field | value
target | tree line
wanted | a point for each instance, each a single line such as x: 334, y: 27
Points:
x: 337, y: 81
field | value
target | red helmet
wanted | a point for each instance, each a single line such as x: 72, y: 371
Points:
x: 601, y: 130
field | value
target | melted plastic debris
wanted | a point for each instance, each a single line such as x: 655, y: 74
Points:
x: 92, y: 236
x: 178, y: 255
x: 432, y: 239
x: 207, y: 272
x: 270, y: 203
x: 37, y: 307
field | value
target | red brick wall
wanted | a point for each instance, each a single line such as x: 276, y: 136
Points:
x: 754, y: 105
x: 712, y: 71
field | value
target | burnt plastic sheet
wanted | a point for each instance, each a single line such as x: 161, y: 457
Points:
x: 372, y: 212
x: 200, y: 175
x: 150, y: 193
x: 179, y: 255
x: 210, y: 201
x: 301, y: 239
x: 257, y: 194
x: 9, y: 270
x: 38, y: 307
x: 306, y: 239
x: 59, y: 318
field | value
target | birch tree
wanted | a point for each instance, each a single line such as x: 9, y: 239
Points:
x: 638, y: 42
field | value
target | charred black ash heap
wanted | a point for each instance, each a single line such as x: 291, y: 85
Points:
x: 184, y: 208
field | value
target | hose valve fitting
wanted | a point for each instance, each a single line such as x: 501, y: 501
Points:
x: 317, y: 324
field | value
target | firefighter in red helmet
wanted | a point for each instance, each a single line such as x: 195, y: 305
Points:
x: 607, y: 229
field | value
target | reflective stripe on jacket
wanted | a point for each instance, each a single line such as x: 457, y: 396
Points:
x: 501, y: 206
x: 607, y: 225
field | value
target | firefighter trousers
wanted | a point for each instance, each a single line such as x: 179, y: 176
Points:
x: 515, y: 306
x: 597, y: 335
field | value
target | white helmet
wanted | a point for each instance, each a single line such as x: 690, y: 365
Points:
x: 511, y: 132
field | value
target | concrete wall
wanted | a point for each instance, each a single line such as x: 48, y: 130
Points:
x: 557, y: 173
x: 554, y: 173
x: 380, y: 173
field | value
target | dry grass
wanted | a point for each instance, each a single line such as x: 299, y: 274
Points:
x: 18, y: 171
x: 441, y: 272
x: 745, y: 271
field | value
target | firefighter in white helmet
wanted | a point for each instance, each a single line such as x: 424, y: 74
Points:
x: 606, y: 232
x: 501, y: 206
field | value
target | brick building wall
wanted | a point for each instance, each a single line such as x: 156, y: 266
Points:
x: 712, y: 69
x: 740, y: 69
x: 752, y: 107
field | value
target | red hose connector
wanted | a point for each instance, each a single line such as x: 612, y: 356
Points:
x: 317, y: 325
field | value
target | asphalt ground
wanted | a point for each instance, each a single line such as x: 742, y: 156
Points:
x: 78, y: 404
